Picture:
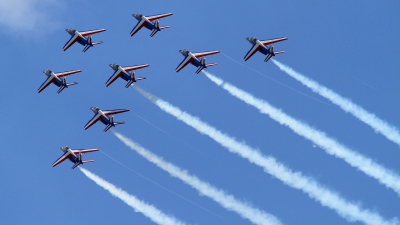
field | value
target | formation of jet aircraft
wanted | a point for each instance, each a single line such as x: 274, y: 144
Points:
x: 123, y: 72
x: 105, y: 116
x: 128, y: 73
x: 75, y: 156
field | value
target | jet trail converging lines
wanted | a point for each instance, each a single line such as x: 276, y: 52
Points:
x: 332, y: 147
x: 316, y: 191
x: 229, y: 202
x: 139, y: 206
x: 389, y: 131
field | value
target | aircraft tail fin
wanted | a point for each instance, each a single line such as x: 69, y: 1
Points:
x: 76, y: 165
x: 268, y: 58
x: 91, y: 44
x: 158, y: 28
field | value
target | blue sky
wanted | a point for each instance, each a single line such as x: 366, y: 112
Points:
x: 350, y: 47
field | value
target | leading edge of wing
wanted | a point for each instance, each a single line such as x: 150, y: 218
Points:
x: 94, y: 120
x: 130, y: 68
x: 251, y: 52
x: 138, y: 26
x: 62, y: 158
x: 114, y: 77
x: 84, y: 151
x: 184, y: 63
x: 90, y: 32
x: 115, y: 111
x: 271, y: 41
x: 46, y: 83
x: 71, y: 41
x: 201, y: 54
x: 159, y: 16
x: 67, y: 73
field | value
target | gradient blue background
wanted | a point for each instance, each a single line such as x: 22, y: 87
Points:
x: 351, y: 47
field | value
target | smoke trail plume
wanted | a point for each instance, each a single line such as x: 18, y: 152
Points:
x: 389, y: 131
x: 229, y: 202
x: 324, y: 196
x: 139, y: 206
x: 332, y: 147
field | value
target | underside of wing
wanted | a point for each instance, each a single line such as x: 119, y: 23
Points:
x: 46, y: 83
x: 96, y: 118
x: 184, y: 63
x: 64, y: 74
x: 90, y: 32
x: 115, y: 111
x: 272, y: 41
x: 83, y: 151
x: 130, y: 68
x: 62, y: 159
x: 251, y: 52
x: 201, y: 54
x: 114, y: 77
x: 138, y: 26
x: 71, y: 42
x: 155, y: 17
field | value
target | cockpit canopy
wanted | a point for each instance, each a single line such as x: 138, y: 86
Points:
x: 71, y: 31
x: 137, y: 15
x: 251, y: 39
x: 47, y: 72
x: 94, y: 109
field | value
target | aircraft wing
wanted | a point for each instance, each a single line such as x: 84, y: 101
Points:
x: 116, y: 111
x: 90, y: 32
x: 201, y: 54
x: 130, y: 68
x: 114, y: 77
x: 71, y: 42
x: 155, y: 17
x: 272, y: 41
x: 46, y: 83
x: 138, y: 26
x: 83, y: 151
x: 64, y: 74
x: 251, y: 52
x: 184, y: 63
x: 62, y: 158
x: 95, y: 118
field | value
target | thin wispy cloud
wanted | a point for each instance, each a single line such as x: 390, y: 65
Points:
x: 385, y: 176
x: 328, y: 198
x: 149, y: 211
x: 389, y: 131
x: 34, y: 16
x: 227, y: 201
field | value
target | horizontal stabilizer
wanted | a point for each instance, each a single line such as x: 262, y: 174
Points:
x: 164, y: 27
x: 109, y: 126
x: 211, y: 64
x: 97, y: 43
x: 71, y: 84
x: 280, y: 52
x: 76, y: 165
x: 87, y: 161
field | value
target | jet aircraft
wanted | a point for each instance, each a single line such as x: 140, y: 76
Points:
x: 263, y: 47
x: 75, y: 156
x: 80, y: 37
x: 194, y: 59
x: 147, y: 21
x: 58, y: 79
x: 106, y: 117
x: 123, y: 72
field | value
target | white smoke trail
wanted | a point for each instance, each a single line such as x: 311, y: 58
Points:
x: 139, y: 206
x: 229, y: 202
x: 332, y: 147
x: 324, y: 196
x: 389, y: 131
